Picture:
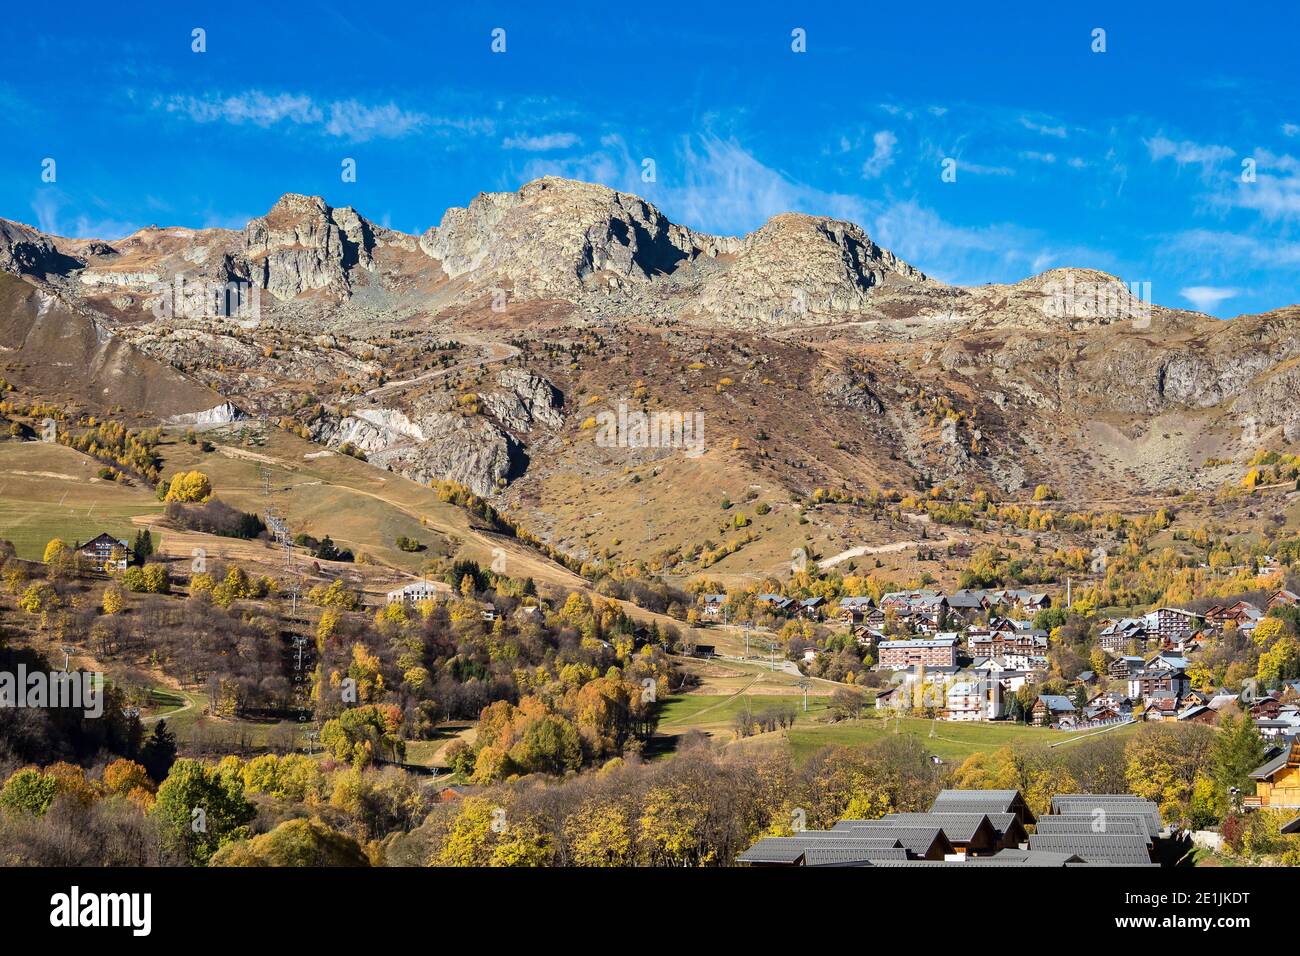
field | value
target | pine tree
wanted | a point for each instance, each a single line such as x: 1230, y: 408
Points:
x: 159, y: 752
x: 1237, y: 750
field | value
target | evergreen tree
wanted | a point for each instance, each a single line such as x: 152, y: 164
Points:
x: 143, y: 546
x: 159, y: 752
x: 1237, y: 750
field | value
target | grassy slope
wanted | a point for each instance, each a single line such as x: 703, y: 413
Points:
x: 49, y: 491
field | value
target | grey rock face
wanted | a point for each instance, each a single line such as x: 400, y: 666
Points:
x: 303, y: 244
x: 24, y: 251
x: 527, y: 398
x: 796, y: 267
x: 481, y: 453
x: 222, y: 414
x: 555, y: 237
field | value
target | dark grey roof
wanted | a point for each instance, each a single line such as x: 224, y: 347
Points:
x: 1123, y: 803
x: 1271, y: 767
x: 830, y: 853
x: 1132, y: 825
x: 1005, y: 797
x: 1004, y: 858
x: 1112, y: 848
x: 789, y: 850
x: 982, y: 801
x: 957, y: 827
x: 918, y: 838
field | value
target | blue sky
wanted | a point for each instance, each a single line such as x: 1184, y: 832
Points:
x: 1128, y: 160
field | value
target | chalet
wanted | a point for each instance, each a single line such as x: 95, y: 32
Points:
x: 1052, y: 709
x: 1104, y: 848
x: 811, y: 608
x: 1279, y: 728
x: 712, y: 605
x: 1158, y: 682
x: 776, y: 602
x: 106, y: 552
x: 1198, y: 714
x: 1283, y: 598
x: 1112, y: 700
x: 705, y: 650
x: 1277, y: 782
x: 1171, y: 624
x: 1116, y: 636
x: 1167, y: 661
x: 890, y: 697
x: 853, y: 610
x: 973, y: 699
x: 1266, y: 708
x: 1023, y: 649
x: 1099, y: 712
x: 984, y: 801
x: 413, y: 593
x: 967, y: 604
x: 902, y: 600
x: 971, y: 834
x: 1030, y: 601
x: 868, y: 636
x: 1114, y: 806
x: 1161, y: 708
x: 1243, y: 614
x: 1121, y: 667
x: 1221, y: 700
x: 933, y: 652
x: 1196, y: 697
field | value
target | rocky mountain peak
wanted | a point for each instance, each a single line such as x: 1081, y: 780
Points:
x: 556, y: 236
x: 798, y: 266
x: 25, y: 251
x: 302, y: 243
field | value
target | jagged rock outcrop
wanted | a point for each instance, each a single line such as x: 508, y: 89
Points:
x: 214, y: 417
x: 796, y: 267
x: 304, y: 244
x: 527, y: 399
x: 435, y: 442
x: 557, y: 237
x: 437, y: 445
x: 24, y: 251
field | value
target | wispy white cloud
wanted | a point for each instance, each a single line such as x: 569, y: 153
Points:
x: 352, y: 120
x: 1207, y: 298
x: 882, y: 154
x: 1056, y: 131
x: 347, y: 119
x: 541, y: 143
x: 1187, y: 153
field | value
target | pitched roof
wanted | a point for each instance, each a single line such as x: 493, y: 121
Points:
x: 1112, y: 848
x: 1080, y: 823
x: 1121, y: 803
x: 1057, y: 704
x: 957, y: 827
x: 982, y: 801
x: 830, y: 853
x: 789, y: 850
x: 1266, y: 771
